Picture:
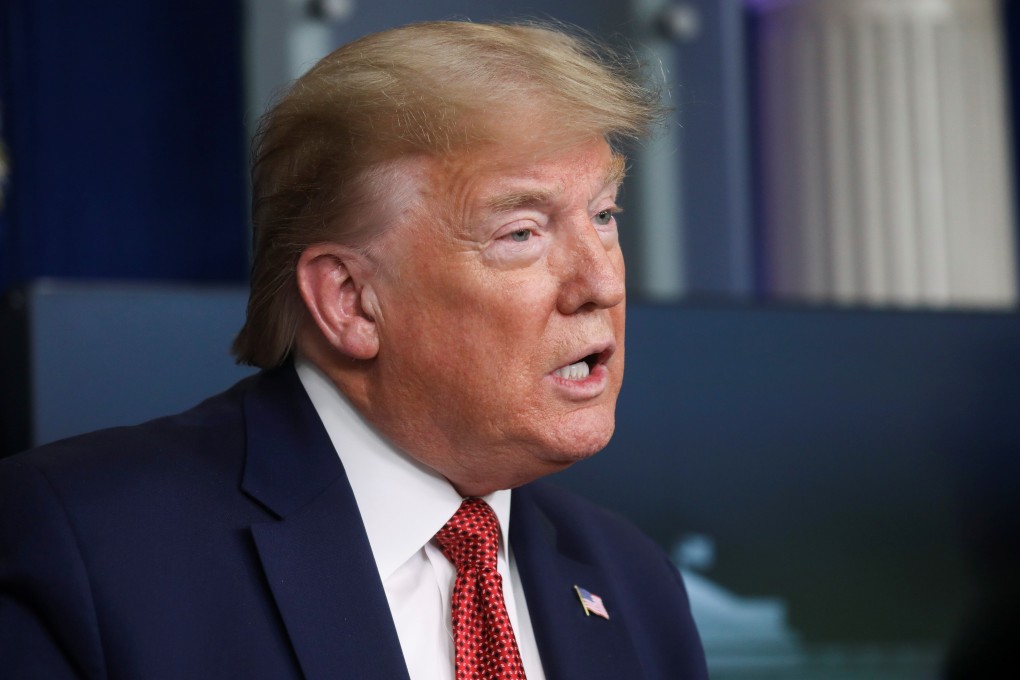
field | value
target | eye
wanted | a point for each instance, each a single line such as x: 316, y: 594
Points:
x: 520, y: 236
x: 604, y: 217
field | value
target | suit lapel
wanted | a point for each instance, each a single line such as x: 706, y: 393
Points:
x: 316, y: 556
x: 571, y: 643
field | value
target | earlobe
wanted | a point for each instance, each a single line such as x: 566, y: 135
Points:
x: 332, y: 288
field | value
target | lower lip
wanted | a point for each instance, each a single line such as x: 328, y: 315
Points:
x: 592, y: 386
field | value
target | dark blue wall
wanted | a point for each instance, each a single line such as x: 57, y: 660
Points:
x: 125, y: 127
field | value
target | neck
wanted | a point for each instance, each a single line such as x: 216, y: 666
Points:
x: 470, y: 473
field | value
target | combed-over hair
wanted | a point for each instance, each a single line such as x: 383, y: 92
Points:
x: 434, y: 88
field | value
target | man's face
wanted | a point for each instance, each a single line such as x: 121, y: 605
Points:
x: 501, y: 316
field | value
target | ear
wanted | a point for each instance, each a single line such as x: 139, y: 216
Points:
x: 332, y: 287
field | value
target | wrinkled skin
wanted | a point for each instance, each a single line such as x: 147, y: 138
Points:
x: 507, y: 269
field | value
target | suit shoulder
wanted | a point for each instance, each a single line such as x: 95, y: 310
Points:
x: 167, y: 441
x: 560, y: 503
x: 586, y: 527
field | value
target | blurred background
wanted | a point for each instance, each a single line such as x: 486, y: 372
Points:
x: 821, y: 419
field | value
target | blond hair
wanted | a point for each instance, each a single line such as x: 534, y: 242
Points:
x: 433, y: 88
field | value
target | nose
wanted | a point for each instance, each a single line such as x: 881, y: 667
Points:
x: 592, y: 271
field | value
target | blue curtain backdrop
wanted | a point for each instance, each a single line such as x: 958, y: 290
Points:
x: 124, y: 123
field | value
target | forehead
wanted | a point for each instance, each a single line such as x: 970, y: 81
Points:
x: 504, y: 177
x: 546, y: 184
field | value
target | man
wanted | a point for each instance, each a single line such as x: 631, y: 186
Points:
x: 438, y: 306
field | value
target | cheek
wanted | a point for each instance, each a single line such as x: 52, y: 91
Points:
x: 473, y: 327
x: 492, y: 365
x: 619, y: 317
x: 508, y: 312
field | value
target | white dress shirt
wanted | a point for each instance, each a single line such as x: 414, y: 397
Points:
x: 403, y: 504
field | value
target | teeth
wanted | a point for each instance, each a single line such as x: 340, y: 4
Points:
x: 578, y: 371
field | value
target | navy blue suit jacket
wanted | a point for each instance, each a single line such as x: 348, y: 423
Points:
x: 225, y: 542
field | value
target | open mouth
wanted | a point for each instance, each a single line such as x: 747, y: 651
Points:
x: 582, y: 368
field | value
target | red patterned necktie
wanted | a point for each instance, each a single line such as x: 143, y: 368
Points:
x: 484, y: 641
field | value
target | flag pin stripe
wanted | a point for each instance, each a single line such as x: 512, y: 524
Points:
x: 591, y: 602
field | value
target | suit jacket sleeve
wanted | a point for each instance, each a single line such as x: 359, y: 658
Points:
x: 47, y: 619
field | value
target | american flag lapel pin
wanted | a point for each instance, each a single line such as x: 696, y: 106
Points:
x: 592, y: 603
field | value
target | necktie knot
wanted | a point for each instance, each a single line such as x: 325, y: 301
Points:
x: 470, y: 538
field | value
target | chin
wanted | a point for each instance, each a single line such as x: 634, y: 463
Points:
x: 576, y: 444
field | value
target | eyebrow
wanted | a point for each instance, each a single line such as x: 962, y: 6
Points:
x: 518, y: 199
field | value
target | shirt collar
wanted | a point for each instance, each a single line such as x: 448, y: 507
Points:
x: 403, y: 503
